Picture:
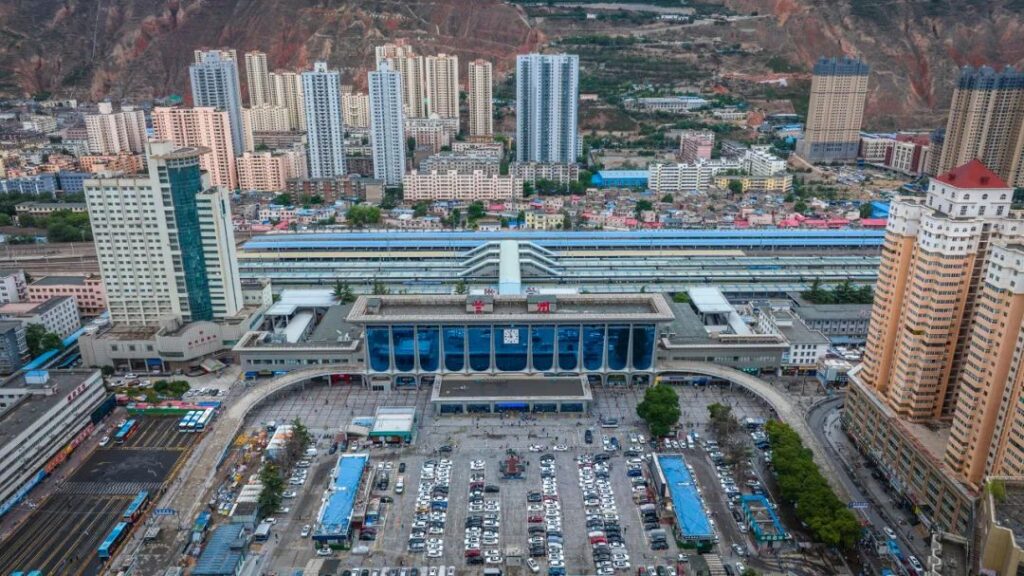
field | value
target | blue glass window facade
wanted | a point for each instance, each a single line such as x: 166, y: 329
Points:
x: 543, y: 343
x: 428, y: 347
x: 403, y: 339
x: 568, y: 347
x: 454, y: 348
x: 593, y: 347
x: 643, y: 346
x: 618, y: 346
x: 378, y: 347
x: 510, y: 348
x: 186, y: 182
x: 480, y: 348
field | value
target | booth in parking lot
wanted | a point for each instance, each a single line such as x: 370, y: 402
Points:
x: 528, y: 393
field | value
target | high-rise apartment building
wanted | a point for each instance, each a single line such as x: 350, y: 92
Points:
x: 258, y: 78
x: 165, y: 242
x: 935, y: 404
x: 455, y: 185
x: 387, y: 125
x: 441, y: 85
x: 933, y: 263
x: 355, y: 109
x: 286, y: 90
x: 112, y: 132
x: 214, y: 79
x: 547, y: 108
x: 207, y: 128
x: 695, y: 145
x: 836, y: 110
x: 403, y: 59
x: 270, y: 171
x: 479, y: 84
x: 986, y: 121
x: 263, y: 118
x: 325, y: 133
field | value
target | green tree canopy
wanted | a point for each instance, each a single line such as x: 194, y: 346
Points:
x: 659, y: 409
x: 343, y: 293
x: 362, y: 214
x: 39, y: 340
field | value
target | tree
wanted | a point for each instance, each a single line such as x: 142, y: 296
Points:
x: 528, y: 189
x: 455, y: 218
x: 800, y: 206
x: 379, y: 289
x: 361, y: 214
x: 273, y: 487
x: 735, y: 187
x: 343, y: 293
x: 476, y: 211
x: 5, y: 219
x: 681, y: 298
x: 421, y: 208
x: 865, y: 210
x: 667, y: 199
x: 107, y: 371
x: 283, y: 199
x: 659, y: 409
x: 460, y: 287
x: 642, y: 206
x: 39, y: 340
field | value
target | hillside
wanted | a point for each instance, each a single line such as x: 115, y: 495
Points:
x: 95, y: 48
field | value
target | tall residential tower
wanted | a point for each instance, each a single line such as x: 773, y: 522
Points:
x: 835, y: 112
x: 986, y: 121
x: 441, y: 85
x: 258, y: 78
x: 321, y: 89
x: 479, y: 83
x: 547, y: 108
x: 387, y: 125
x: 214, y: 79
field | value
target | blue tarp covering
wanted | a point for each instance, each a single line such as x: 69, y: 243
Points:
x: 690, y: 514
x: 223, y: 553
x: 879, y: 209
x: 336, y: 513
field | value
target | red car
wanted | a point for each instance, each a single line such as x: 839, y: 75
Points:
x: 598, y: 540
x: 472, y: 553
x: 535, y: 519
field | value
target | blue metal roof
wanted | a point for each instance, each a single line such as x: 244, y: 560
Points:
x: 623, y: 174
x: 470, y: 239
x: 689, y: 508
x: 336, y: 514
x: 223, y: 553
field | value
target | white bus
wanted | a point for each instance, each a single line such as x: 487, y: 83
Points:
x: 204, y: 419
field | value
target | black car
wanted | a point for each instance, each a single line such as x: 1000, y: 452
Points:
x: 401, y: 467
x: 415, y: 572
x: 491, y: 489
x: 588, y: 437
x: 474, y: 560
x: 534, y: 497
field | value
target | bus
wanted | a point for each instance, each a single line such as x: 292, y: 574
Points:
x: 136, y: 508
x: 193, y: 422
x: 124, y: 432
x: 112, y: 540
x: 183, y: 423
x: 204, y: 419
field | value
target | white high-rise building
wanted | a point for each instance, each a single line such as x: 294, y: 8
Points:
x: 214, y: 79
x: 547, y: 108
x: 112, y: 132
x: 258, y: 78
x: 387, y: 125
x: 325, y: 133
x: 441, y: 85
x: 479, y: 83
x: 286, y: 90
x: 165, y: 242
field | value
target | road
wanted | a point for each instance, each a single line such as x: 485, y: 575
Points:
x: 823, y: 420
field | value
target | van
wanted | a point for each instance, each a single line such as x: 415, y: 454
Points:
x: 492, y: 571
x: 311, y: 452
x: 400, y: 485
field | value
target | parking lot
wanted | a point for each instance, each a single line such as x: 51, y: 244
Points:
x: 62, y: 536
x: 487, y: 438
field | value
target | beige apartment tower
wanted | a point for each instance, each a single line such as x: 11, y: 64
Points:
x: 480, y: 86
x: 286, y: 90
x: 934, y: 260
x: 203, y: 127
x: 835, y: 112
x: 355, y: 109
x: 410, y: 66
x: 986, y: 121
x: 441, y: 85
x: 257, y: 78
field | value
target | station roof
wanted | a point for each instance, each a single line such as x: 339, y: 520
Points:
x: 709, y: 300
x: 307, y: 298
x: 392, y: 420
x: 511, y: 309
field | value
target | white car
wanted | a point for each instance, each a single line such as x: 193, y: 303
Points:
x: 477, y: 465
x: 560, y: 448
x: 306, y: 530
x: 536, y: 448
x: 105, y: 440
x: 534, y: 567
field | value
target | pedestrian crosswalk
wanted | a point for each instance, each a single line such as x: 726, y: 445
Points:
x: 111, y: 488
